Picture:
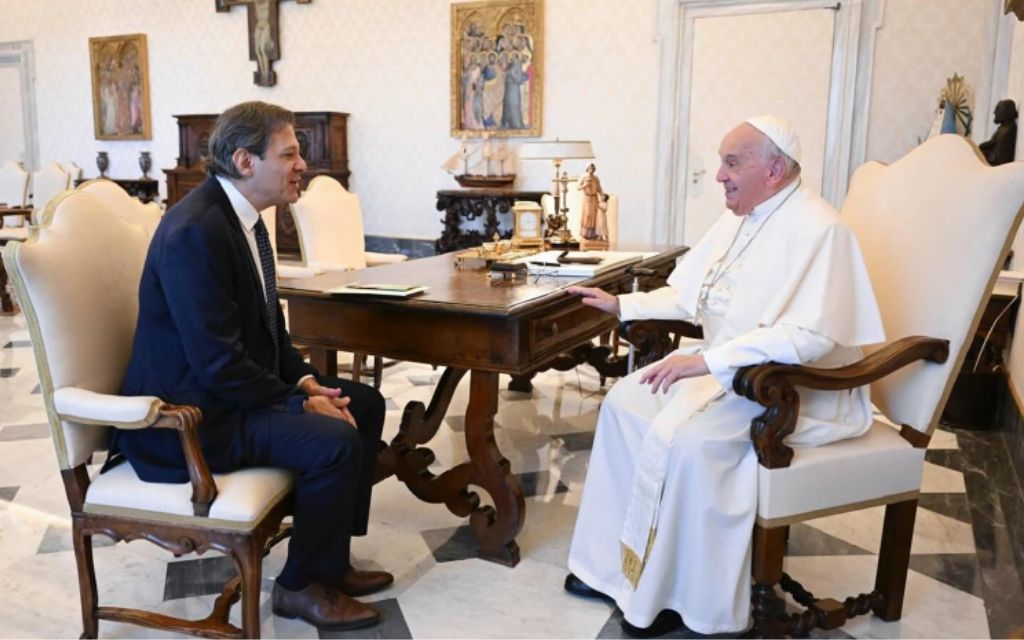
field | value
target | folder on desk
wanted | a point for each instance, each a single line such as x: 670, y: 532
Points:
x: 379, y: 289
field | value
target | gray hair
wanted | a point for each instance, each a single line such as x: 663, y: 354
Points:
x: 248, y: 126
x: 769, y: 151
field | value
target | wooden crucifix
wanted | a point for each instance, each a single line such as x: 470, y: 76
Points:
x: 264, y: 41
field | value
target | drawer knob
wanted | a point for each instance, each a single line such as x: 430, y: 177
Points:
x: 554, y: 328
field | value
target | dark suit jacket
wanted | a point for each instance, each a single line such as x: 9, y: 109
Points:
x: 203, y: 337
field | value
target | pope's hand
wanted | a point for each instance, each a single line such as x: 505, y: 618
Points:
x: 672, y: 368
x: 597, y: 298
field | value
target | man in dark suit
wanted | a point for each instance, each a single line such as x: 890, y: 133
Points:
x: 211, y: 333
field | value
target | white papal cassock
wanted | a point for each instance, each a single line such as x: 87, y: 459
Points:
x: 786, y: 283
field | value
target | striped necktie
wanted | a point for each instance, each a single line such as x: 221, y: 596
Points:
x: 270, y: 284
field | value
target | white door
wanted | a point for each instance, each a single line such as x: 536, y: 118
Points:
x: 769, y: 63
x: 12, y: 127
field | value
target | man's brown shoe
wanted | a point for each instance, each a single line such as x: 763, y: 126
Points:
x: 363, y: 583
x: 323, y: 607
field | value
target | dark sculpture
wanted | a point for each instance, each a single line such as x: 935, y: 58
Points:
x: 1001, y: 147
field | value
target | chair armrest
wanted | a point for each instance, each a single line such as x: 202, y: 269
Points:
x: 137, y: 412
x: 373, y: 258
x: 655, y: 339
x: 772, y: 386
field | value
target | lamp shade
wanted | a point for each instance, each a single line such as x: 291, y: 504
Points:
x: 556, y: 150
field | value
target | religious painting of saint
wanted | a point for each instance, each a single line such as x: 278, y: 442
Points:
x: 497, y: 67
x: 120, y: 87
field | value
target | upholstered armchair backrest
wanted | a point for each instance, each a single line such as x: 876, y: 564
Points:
x: 73, y: 170
x: 934, y: 227
x: 330, y: 225
x: 130, y: 209
x: 48, y: 182
x: 77, y: 278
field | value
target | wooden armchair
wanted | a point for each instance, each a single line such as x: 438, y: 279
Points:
x: 77, y: 277
x: 934, y: 228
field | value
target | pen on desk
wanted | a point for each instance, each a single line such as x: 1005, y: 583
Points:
x: 545, y: 264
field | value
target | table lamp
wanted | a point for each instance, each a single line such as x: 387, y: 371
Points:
x: 558, y: 151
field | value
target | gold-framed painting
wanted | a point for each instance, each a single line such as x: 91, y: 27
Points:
x: 120, y: 87
x: 497, y: 68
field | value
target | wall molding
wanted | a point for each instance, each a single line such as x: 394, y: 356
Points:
x: 21, y: 54
x: 676, y: 19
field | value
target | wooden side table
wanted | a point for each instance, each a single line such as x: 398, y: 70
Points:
x: 469, y: 204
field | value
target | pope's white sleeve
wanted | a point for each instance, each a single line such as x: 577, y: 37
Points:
x: 661, y: 304
x: 780, y: 343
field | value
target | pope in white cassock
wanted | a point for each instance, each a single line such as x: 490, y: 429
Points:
x: 666, y: 519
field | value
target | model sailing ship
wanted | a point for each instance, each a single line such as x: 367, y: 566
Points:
x: 477, y: 155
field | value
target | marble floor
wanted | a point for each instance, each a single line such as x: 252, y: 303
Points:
x: 964, y: 580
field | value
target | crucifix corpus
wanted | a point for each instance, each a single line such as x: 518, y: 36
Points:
x: 264, y: 41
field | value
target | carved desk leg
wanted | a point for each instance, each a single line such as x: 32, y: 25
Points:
x: 495, y: 527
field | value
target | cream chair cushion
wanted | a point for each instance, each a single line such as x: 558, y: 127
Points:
x: 878, y: 465
x: 119, y: 201
x: 48, y: 182
x: 242, y: 497
x: 924, y: 223
x: 12, y: 233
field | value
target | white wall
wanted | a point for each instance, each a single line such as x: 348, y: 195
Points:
x: 383, y: 61
x: 920, y: 44
x: 12, y: 138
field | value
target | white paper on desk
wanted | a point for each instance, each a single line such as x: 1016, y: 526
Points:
x: 296, y: 271
x: 544, y: 263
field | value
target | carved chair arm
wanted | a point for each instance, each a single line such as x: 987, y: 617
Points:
x: 185, y: 420
x: 139, y: 412
x: 772, y: 385
x: 654, y: 339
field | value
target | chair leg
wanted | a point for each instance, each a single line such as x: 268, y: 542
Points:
x: 894, y: 558
x: 250, y: 566
x: 357, y: 365
x: 378, y: 371
x: 86, y: 580
x: 768, y: 608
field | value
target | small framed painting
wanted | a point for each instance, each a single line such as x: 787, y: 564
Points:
x: 497, y: 66
x: 120, y: 87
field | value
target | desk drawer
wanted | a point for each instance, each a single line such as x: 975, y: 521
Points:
x: 565, y: 326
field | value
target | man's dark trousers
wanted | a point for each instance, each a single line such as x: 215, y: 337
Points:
x: 334, y: 465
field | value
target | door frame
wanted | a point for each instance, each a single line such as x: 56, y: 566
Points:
x: 21, y: 54
x: 676, y: 20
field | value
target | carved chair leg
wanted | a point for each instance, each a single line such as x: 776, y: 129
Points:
x: 894, y: 558
x: 249, y: 557
x: 378, y: 371
x: 86, y: 580
x: 357, y: 365
x: 768, y: 608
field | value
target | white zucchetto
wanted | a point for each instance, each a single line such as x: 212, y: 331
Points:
x: 780, y: 132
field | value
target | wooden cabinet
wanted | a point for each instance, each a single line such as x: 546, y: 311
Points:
x: 323, y: 142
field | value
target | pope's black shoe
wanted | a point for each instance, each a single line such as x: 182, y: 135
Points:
x: 577, y: 587
x: 664, y: 622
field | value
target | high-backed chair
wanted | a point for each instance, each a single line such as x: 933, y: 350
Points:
x: 73, y: 170
x: 49, y: 181
x: 81, y: 302
x: 14, y: 182
x: 329, y: 221
x: 934, y: 228
x: 330, y: 225
x: 119, y: 201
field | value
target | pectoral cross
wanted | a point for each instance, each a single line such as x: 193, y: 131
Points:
x: 264, y: 45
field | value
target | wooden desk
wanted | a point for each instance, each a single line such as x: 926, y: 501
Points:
x: 467, y: 322
x: 6, y: 303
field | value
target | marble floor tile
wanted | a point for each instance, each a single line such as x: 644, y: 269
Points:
x: 928, y: 609
x: 25, y: 432
x: 943, y: 439
x: 491, y: 604
x: 933, y: 532
x: 938, y: 479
